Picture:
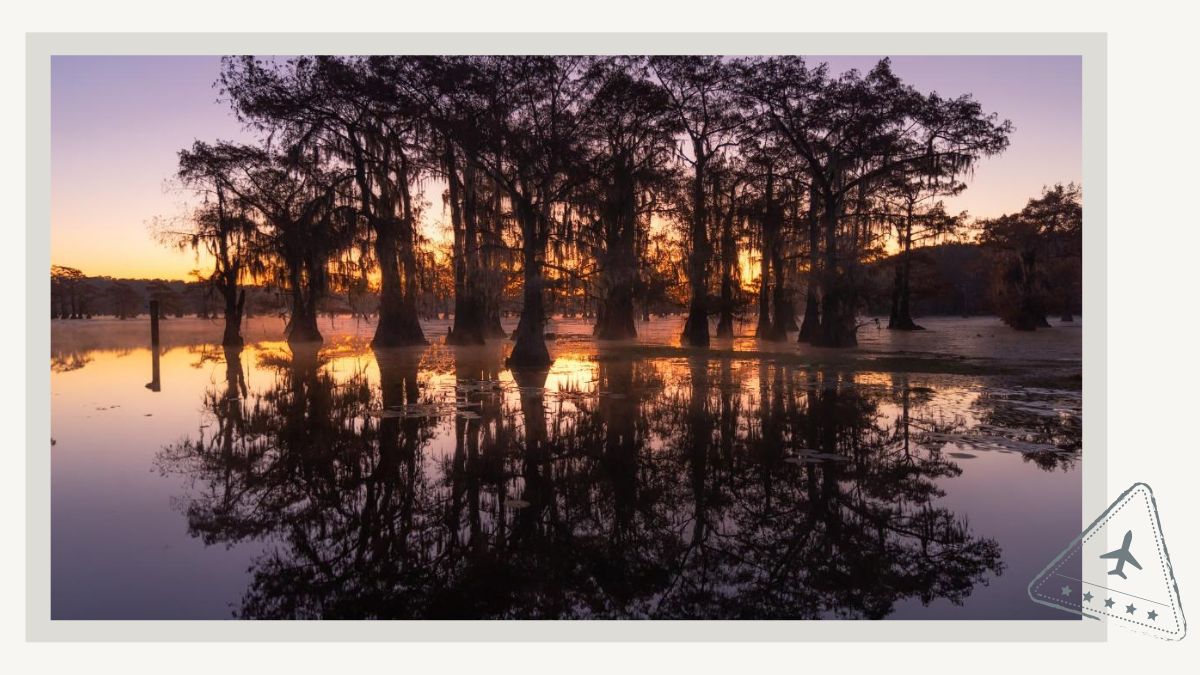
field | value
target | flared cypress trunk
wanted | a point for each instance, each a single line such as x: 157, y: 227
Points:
x: 1028, y: 310
x: 618, y: 274
x: 728, y: 260
x: 785, y: 312
x: 614, y: 320
x: 302, y: 324
x: 784, y: 315
x: 901, y: 315
x: 725, y: 316
x: 695, y: 329
x: 235, y: 303
x: 812, y: 314
x: 399, y: 325
x: 468, y: 303
x: 302, y: 328
x: 492, y: 283
x: 529, y: 350
x: 764, y: 292
x: 838, y: 326
x: 784, y: 318
x: 812, y: 306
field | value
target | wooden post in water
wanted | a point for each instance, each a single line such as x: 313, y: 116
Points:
x: 154, y: 324
x: 155, y: 383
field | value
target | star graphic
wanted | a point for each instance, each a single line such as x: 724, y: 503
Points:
x: 1066, y: 590
x: 1152, y: 615
x: 1108, y: 602
x: 1087, y: 597
x: 1130, y: 609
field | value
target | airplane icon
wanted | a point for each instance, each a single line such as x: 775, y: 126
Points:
x: 1122, y: 556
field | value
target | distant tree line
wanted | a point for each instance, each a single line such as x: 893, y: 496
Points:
x: 74, y: 295
x: 602, y: 186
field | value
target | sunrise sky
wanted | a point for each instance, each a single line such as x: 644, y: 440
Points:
x: 117, y: 123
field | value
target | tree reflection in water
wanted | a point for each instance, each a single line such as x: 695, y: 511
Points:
x: 661, y: 489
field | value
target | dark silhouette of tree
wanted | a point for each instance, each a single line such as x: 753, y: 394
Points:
x: 71, y: 295
x: 308, y: 224
x: 916, y: 222
x: 460, y: 106
x: 169, y: 301
x: 562, y: 177
x: 630, y: 133
x: 699, y: 93
x: 222, y: 226
x: 342, y: 108
x: 854, y: 133
x: 125, y: 301
x: 1049, y: 228
x: 775, y: 186
x: 728, y: 197
x: 530, y: 149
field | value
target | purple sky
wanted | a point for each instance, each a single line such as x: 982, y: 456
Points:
x: 118, y: 121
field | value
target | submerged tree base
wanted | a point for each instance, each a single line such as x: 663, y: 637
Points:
x: 529, y: 351
x: 398, y: 331
x: 465, y: 338
x: 837, y: 335
x: 695, y: 331
x: 616, y: 323
x: 725, y: 327
x: 467, y: 330
x: 904, y: 324
x: 1026, y: 322
x: 529, y: 358
x: 774, y: 333
x: 304, y: 332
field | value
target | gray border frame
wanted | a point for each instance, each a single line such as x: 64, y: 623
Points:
x: 40, y: 46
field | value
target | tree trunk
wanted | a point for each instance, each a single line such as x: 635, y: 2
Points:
x: 1032, y: 308
x: 838, y: 326
x: 901, y: 316
x: 235, y: 302
x: 618, y: 275
x: 614, y: 319
x: 812, y: 307
x: 728, y: 263
x: 302, y: 328
x: 530, y: 350
x: 399, y: 324
x: 492, y: 283
x: 695, y: 329
x: 785, y: 312
x: 468, y: 305
x: 764, y: 290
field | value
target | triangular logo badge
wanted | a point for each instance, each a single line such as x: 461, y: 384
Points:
x: 1118, y: 570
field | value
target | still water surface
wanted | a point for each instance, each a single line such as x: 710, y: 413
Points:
x: 928, y: 475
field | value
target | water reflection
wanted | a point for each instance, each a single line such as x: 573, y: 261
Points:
x: 443, y: 486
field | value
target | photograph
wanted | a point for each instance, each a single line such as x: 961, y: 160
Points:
x: 569, y: 337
